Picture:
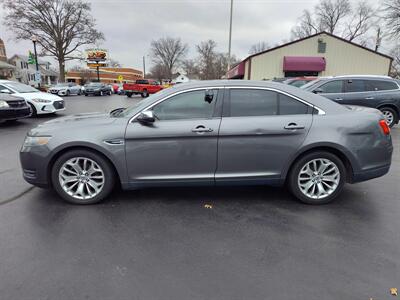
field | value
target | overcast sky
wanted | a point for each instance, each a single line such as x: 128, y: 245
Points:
x: 130, y: 25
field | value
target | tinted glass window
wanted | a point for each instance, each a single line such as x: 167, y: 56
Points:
x: 253, y: 102
x: 298, y: 83
x: 142, y: 81
x: 190, y: 105
x: 290, y: 106
x: 383, y: 85
x: 334, y: 86
x: 353, y: 86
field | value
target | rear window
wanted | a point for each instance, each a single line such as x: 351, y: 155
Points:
x: 142, y: 81
x: 382, y: 85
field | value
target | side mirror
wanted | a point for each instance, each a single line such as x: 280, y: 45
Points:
x: 5, y: 91
x: 318, y: 91
x: 209, y: 96
x: 146, y: 117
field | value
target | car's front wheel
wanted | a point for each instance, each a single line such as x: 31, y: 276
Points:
x: 390, y: 115
x: 82, y: 177
x: 317, y: 177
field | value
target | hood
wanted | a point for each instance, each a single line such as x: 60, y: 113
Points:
x: 7, y: 97
x: 73, y: 122
x: 39, y: 95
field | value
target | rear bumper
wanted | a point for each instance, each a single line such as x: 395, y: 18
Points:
x: 14, y: 113
x: 370, y: 174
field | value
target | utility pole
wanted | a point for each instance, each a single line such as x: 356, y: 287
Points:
x: 34, y: 40
x: 144, y: 67
x: 230, y: 37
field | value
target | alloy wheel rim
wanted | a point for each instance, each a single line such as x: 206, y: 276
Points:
x: 318, y: 178
x: 81, y: 178
x: 388, y: 117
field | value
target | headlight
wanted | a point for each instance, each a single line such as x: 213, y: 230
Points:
x: 3, y: 104
x: 41, y: 100
x: 36, y: 141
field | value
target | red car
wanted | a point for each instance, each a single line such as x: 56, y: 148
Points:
x: 144, y: 87
x: 299, y: 81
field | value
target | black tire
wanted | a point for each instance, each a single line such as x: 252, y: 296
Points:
x: 68, y: 93
x: 109, y: 176
x: 79, y: 92
x: 393, y: 112
x: 129, y: 95
x: 145, y: 94
x: 86, y: 95
x: 298, y: 165
x: 33, y: 109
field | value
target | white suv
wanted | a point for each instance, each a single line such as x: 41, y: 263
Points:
x: 40, y: 103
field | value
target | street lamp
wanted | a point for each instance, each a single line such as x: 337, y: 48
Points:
x: 34, y: 40
x: 230, y: 37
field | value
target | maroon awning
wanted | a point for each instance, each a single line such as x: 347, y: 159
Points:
x: 236, y: 72
x: 304, y: 63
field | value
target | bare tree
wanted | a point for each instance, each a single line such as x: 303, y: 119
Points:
x: 329, y: 13
x: 391, y: 11
x: 159, y: 72
x: 190, y: 67
x: 61, y: 26
x: 206, y: 59
x: 169, y: 53
x: 395, y: 53
x: 306, y: 26
x: 259, y: 47
x: 114, y: 64
x: 360, y: 22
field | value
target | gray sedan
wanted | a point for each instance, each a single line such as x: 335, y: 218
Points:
x: 212, y: 133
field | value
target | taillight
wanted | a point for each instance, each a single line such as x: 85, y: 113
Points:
x: 385, y: 127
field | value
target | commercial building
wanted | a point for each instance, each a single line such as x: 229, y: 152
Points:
x: 106, y: 74
x: 321, y: 54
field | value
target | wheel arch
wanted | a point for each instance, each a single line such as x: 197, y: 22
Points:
x: 91, y: 148
x: 334, y: 149
x: 392, y: 106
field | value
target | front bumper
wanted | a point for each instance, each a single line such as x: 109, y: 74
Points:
x: 44, y: 108
x: 34, y: 164
x: 14, y: 113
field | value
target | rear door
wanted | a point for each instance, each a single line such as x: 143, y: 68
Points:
x: 260, y: 132
x: 358, y: 92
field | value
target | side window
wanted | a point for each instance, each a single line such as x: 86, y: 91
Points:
x: 189, y: 105
x: 354, y: 86
x: 383, y: 85
x: 335, y: 86
x: 253, y: 102
x: 290, y: 106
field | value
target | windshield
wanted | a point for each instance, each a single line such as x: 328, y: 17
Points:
x: 311, y: 83
x: 21, y: 88
x: 62, y: 84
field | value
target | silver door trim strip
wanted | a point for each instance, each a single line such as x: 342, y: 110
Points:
x: 320, y: 111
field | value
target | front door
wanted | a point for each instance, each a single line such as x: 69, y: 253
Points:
x: 260, y: 132
x: 181, y: 145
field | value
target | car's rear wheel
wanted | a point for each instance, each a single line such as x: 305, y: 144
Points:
x: 82, y: 177
x: 145, y: 94
x: 317, y: 177
x: 390, y: 115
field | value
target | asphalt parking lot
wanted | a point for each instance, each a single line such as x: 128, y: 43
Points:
x: 251, y: 243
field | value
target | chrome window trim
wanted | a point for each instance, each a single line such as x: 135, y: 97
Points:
x: 320, y: 111
x: 132, y: 119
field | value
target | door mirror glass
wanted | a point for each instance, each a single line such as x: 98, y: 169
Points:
x: 146, y: 117
x: 318, y: 91
x: 5, y: 91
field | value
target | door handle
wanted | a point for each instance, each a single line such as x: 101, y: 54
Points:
x: 369, y: 98
x: 293, y: 126
x: 201, y: 129
x: 338, y: 99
